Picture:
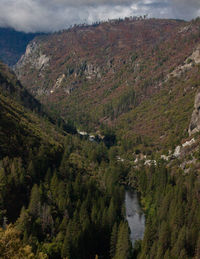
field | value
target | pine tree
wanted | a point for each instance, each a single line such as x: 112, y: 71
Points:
x: 66, y: 247
x: 113, y: 241
x: 31, y: 170
x: 180, y: 243
x: 123, y: 243
x: 197, y: 252
x: 34, y: 205
x: 3, y: 182
x: 111, y: 213
x: 54, y: 186
x: 22, y: 220
x: 164, y: 238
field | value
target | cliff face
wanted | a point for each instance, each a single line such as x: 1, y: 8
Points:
x: 133, y: 75
x: 34, y: 56
x: 36, y: 61
x: 195, y: 120
x: 95, y: 55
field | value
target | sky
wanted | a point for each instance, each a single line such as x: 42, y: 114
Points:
x: 53, y: 15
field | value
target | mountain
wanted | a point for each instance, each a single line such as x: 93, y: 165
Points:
x: 135, y: 84
x: 23, y: 123
x: 53, y: 200
x: 132, y: 75
x: 13, y: 44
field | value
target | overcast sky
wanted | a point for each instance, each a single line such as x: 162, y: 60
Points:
x: 52, y: 15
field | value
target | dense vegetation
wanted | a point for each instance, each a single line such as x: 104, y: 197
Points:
x: 65, y: 208
x: 171, y: 202
x: 62, y: 196
x: 118, y: 74
x: 61, y: 193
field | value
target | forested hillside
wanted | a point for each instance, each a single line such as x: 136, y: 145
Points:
x: 134, y: 85
x: 108, y: 73
x: 171, y: 201
x: 59, y: 195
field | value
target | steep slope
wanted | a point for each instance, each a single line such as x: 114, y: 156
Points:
x: 69, y: 193
x: 140, y: 78
x: 13, y: 44
x: 17, y: 119
x: 23, y: 119
x: 53, y: 186
x: 22, y: 134
x: 105, y: 74
x: 10, y: 86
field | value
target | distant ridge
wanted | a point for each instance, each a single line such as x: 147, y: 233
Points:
x: 13, y: 44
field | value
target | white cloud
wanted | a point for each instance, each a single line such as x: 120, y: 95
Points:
x: 51, y: 15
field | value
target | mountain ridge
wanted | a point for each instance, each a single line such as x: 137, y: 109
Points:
x: 140, y: 91
x: 98, y: 75
x: 13, y: 44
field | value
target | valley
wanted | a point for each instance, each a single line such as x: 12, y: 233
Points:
x: 126, y: 69
x: 89, y: 117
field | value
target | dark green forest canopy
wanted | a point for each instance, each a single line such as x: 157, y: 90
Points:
x: 62, y: 196
x: 61, y: 193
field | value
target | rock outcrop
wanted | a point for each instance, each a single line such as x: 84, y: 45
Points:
x: 111, y: 73
x: 193, y: 59
x: 34, y: 57
x: 195, y: 120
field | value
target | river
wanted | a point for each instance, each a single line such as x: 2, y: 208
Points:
x: 134, y: 216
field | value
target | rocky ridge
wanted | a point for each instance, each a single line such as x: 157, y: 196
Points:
x: 109, y: 73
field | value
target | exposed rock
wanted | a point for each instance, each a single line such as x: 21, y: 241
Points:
x: 120, y: 159
x: 59, y: 81
x: 185, y: 163
x: 120, y: 56
x: 136, y: 160
x: 195, y: 120
x: 82, y: 133
x: 188, y: 143
x: 177, y: 151
x: 69, y: 89
x: 185, y: 29
x: 166, y: 158
x: 180, y: 151
x: 34, y: 57
x: 40, y: 91
x: 192, y: 59
x: 41, y: 61
x: 91, y: 138
x: 92, y: 70
x: 150, y: 162
x: 195, y: 56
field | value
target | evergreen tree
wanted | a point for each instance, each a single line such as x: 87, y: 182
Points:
x: 34, y: 205
x: 197, y: 252
x: 66, y: 247
x: 123, y: 247
x: 113, y: 241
